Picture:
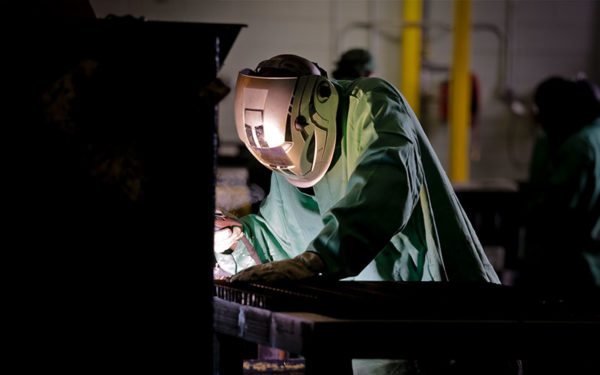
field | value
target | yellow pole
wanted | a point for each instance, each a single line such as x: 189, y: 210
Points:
x: 410, y: 68
x: 460, y: 93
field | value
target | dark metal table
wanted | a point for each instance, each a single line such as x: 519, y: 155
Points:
x: 328, y: 341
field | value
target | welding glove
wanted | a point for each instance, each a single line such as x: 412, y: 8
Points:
x: 303, y: 266
x: 228, y: 232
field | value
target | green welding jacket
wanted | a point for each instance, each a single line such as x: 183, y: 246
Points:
x: 563, y: 209
x: 384, y: 210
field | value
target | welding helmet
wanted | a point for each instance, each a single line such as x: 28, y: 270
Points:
x: 288, y: 122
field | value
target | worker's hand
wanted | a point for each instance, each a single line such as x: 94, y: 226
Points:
x: 304, y: 266
x: 228, y: 232
x: 220, y: 274
x: 227, y: 238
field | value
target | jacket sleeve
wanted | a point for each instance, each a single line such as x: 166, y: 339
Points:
x: 264, y: 230
x: 385, y: 177
x: 286, y: 222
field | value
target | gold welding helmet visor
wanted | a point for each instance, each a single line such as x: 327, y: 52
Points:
x: 288, y: 123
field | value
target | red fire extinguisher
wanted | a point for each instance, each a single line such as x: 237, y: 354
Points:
x: 444, y: 100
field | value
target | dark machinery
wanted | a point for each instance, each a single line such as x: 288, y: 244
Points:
x: 112, y: 201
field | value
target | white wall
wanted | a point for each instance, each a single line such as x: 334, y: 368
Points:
x: 545, y: 37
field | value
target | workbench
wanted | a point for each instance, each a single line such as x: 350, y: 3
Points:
x: 329, y: 342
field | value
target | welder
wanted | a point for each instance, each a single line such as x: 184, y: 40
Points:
x: 356, y: 192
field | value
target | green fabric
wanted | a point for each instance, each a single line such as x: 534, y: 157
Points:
x: 563, y: 229
x: 569, y: 174
x: 366, y: 218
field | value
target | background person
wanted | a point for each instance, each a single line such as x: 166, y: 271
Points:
x: 354, y: 63
x: 563, y: 211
